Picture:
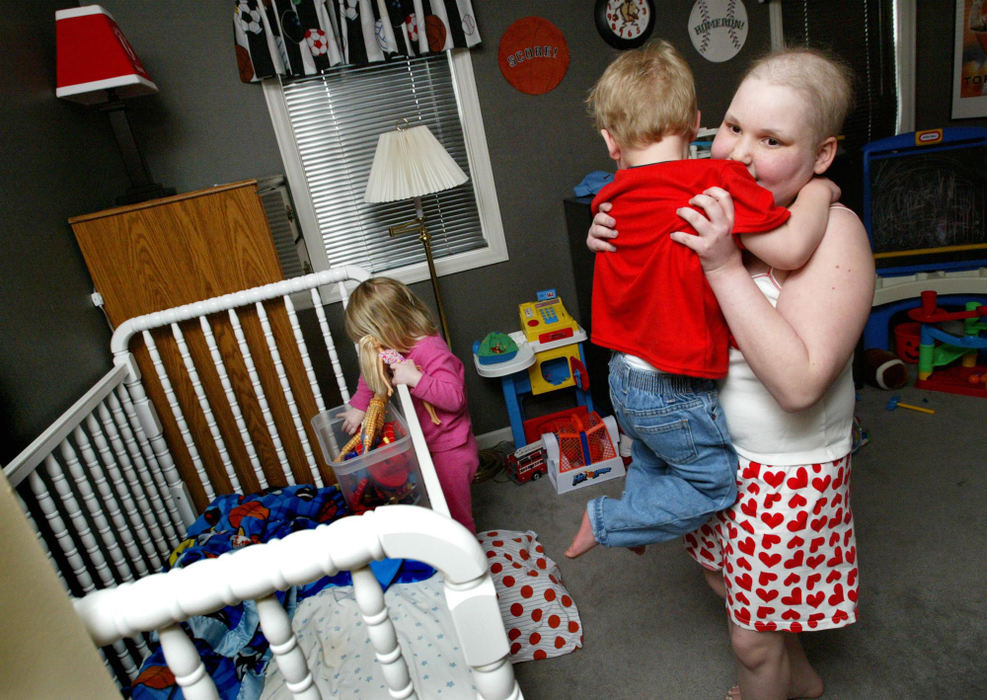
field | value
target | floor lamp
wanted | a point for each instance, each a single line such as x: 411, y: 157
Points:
x: 409, y: 164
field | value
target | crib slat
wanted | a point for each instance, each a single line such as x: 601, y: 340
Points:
x: 149, y: 524
x: 159, y: 475
x: 296, y: 419
x: 100, y: 567
x: 383, y: 637
x: 234, y: 403
x: 128, y: 522
x: 337, y: 369
x: 262, y: 403
x: 207, y: 412
x: 183, y: 660
x: 296, y: 330
x: 179, y: 416
x: 114, y: 541
x: 284, y: 646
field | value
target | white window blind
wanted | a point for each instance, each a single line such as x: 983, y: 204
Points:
x: 862, y: 32
x: 331, y: 123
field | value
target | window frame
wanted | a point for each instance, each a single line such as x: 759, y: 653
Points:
x: 480, y: 172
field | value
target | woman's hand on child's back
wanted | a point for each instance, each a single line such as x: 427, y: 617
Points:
x: 352, y: 420
x: 405, y: 372
x: 714, y: 245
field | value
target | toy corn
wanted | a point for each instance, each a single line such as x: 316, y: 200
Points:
x: 370, y: 428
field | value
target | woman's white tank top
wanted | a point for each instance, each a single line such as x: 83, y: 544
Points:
x: 761, y: 431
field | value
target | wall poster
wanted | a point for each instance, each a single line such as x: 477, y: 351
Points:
x: 970, y: 60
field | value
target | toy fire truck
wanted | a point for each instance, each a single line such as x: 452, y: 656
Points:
x: 527, y: 463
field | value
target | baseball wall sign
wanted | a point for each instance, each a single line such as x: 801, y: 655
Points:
x: 718, y: 28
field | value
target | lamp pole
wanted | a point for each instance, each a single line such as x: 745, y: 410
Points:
x: 418, y: 225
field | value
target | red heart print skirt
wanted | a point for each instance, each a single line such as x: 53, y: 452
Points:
x: 786, y: 548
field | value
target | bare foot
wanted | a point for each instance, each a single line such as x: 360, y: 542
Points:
x: 809, y: 692
x: 583, y: 541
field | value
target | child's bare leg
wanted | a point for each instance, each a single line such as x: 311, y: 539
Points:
x: 583, y: 541
x: 805, y: 682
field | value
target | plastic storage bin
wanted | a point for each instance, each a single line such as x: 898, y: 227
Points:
x: 385, y: 475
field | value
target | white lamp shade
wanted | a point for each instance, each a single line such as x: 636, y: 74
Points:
x: 410, y: 163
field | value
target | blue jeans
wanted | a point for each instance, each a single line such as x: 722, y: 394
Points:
x: 683, y: 467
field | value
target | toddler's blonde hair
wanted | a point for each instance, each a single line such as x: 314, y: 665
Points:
x: 390, y: 312
x: 644, y: 95
x: 823, y: 79
x: 384, y: 313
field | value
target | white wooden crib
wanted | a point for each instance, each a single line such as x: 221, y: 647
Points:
x: 103, y: 491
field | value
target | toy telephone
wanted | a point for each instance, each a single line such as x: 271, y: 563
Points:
x: 546, y: 319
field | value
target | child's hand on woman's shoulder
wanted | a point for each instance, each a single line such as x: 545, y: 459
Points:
x: 714, y: 243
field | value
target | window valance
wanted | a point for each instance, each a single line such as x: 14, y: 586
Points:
x: 304, y: 37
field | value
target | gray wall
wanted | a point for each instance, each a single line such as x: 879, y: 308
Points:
x: 934, y: 66
x: 204, y: 127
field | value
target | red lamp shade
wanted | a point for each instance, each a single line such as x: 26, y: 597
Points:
x: 94, y: 57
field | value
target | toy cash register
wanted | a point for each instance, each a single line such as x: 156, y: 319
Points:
x: 546, y: 320
x: 556, y: 339
x: 549, y: 356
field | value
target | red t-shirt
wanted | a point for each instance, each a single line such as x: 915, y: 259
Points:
x: 650, y: 297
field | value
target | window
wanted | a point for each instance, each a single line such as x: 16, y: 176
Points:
x: 327, y: 127
x: 876, y: 37
x: 862, y: 33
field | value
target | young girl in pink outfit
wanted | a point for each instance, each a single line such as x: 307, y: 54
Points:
x: 390, y: 313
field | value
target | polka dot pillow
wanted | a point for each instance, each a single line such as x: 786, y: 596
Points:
x: 539, y: 614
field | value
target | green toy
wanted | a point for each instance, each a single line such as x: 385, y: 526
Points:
x: 496, y: 347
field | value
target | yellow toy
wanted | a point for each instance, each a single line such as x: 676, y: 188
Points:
x: 547, y: 321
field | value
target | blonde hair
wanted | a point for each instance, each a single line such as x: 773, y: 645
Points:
x: 823, y: 79
x: 644, y: 95
x: 384, y: 313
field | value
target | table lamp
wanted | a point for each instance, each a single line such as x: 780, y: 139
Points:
x: 409, y: 164
x: 96, y: 65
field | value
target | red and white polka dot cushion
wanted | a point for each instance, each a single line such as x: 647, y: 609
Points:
x: 541, y: 618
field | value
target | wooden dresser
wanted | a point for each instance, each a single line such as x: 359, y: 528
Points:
x: 162, y: 253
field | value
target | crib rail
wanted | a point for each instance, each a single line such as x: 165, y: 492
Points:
x: 96, y: 495
x: 161, y: 601
x: 224, y: 428
x: 112, y: 485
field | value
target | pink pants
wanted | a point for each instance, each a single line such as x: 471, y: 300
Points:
x: 456, y: 469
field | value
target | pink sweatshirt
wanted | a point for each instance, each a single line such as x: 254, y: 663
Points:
x: 443, y: 384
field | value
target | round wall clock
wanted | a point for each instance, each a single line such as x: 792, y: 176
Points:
x: 625, y: 24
